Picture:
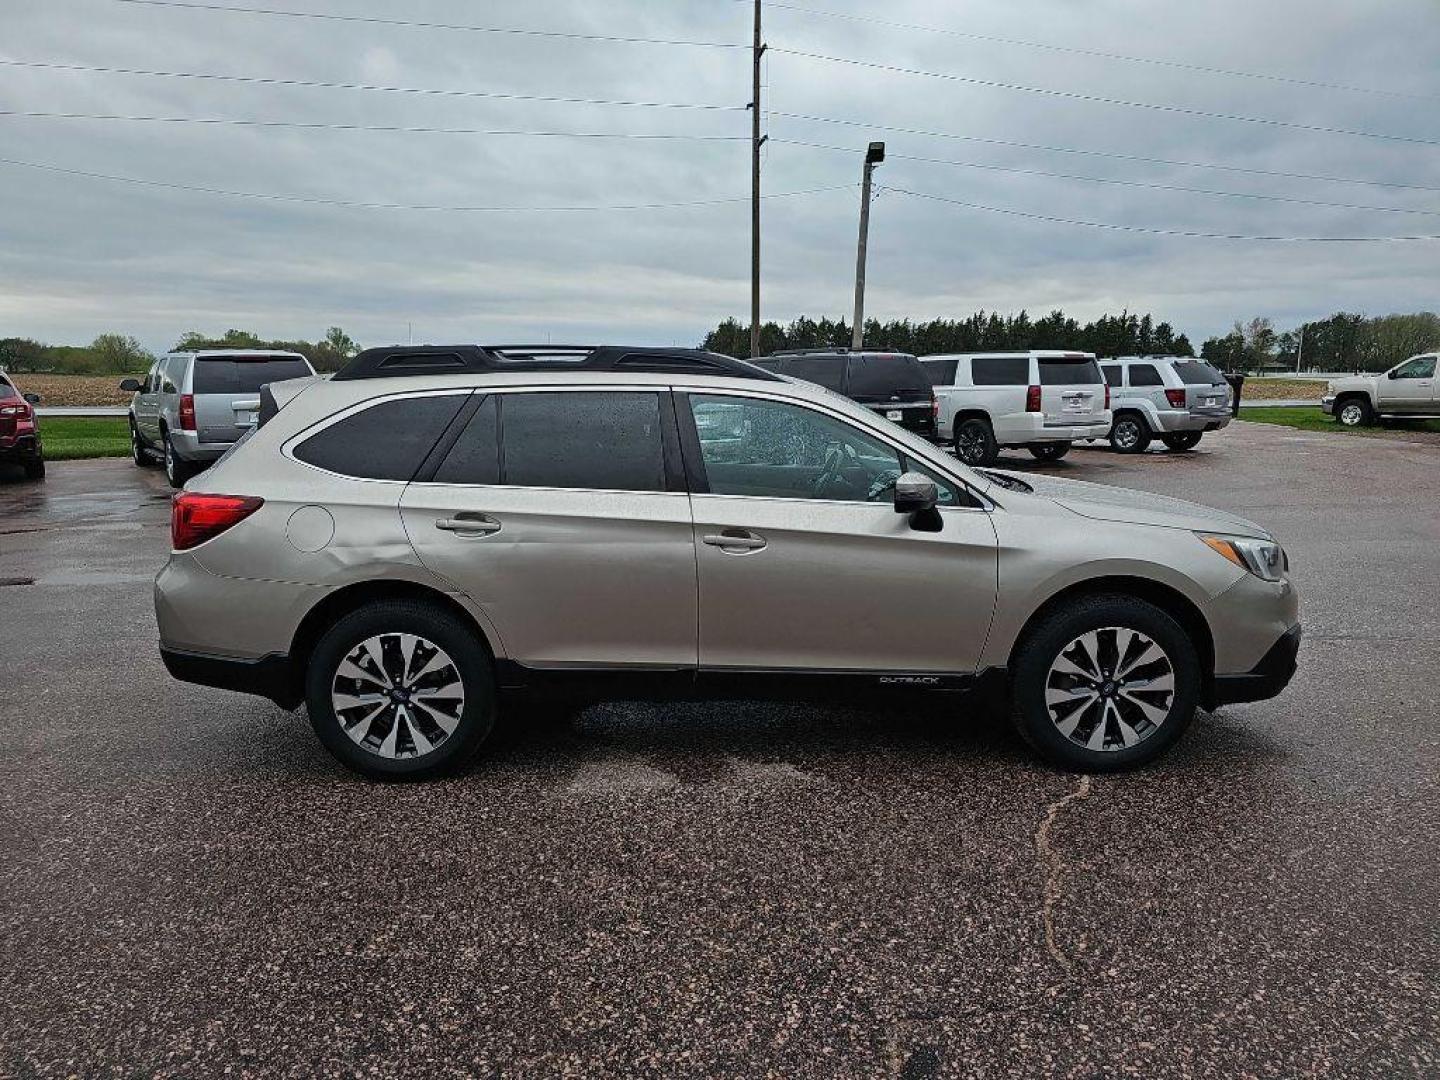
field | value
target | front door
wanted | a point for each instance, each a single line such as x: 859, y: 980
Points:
x: 804, y: 565
x: 571, y: 530
x: 1409, y: 388
x: 147, y: 404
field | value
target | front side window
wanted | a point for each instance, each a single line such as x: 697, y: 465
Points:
x: 773, y: 449
x: 1422, y: 367
x: 609, y: 440
x: 1145, y: 375
x: 388, y: 441
x: 1000, y: 371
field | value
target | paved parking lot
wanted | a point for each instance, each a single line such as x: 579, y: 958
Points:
x: 192, y: 886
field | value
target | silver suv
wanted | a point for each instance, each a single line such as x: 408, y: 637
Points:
x: 192, y: 406
x: 399, y: 546
x: 1173, y: 397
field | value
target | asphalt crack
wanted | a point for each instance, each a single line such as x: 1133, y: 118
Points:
x: 1055, y: 869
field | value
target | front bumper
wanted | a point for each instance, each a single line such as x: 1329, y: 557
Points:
x: 19, y: 448
x: 1327, y: 404
x: 1266, y: 680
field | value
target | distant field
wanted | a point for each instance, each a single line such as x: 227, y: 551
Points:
x: 1310, y: 419
x: 67, y: 438
x: 76, y: 389
x: 1282, y: 390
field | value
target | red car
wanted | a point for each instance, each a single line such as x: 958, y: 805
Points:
x: 19, y: 436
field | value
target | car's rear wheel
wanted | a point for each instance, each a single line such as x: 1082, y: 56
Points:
x: 177, y: 469
x: 1130, y: 434
x: 401, y: 690
x: 1049, y: 451
x: 1182, y: 440
x: 137, y: 448
x: 975, y: 442
x: 1106, y: 683
x: 1355, y: 412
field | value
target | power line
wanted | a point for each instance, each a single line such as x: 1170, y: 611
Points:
x: 315, y: 84
x: 416, y: 24
x: 1086, y: 153
x: 1157, y: 232
x: 310, y: 126
x: 354, y: 204
x: 1097, y: 99
x: 1130, y: 183
x: 1127, y: 58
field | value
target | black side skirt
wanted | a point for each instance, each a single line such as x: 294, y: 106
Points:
x: 270, y: 676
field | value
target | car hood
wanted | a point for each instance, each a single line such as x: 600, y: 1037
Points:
x: 1352, y: 382
x: 1102, y: 502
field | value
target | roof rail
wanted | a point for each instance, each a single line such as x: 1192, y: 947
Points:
x: 405, y: 360
x: 807, y: 352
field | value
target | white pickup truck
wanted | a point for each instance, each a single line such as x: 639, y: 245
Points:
x: 1407, y: 389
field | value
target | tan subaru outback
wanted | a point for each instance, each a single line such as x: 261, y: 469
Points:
x: 398, y: 546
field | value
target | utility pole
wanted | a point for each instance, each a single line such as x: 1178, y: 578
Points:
x: 1300, y: 348
x: 874, y: 155
x: 756, y: 140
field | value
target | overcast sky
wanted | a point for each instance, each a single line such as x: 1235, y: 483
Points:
x: 79, y: 256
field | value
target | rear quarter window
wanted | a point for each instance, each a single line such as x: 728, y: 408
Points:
x: 1000, y: 370
x: 238, y: 375
x: 1199, y: 375
x: 826, y: 371
x: 388, y: 441
x: 1063, y: 372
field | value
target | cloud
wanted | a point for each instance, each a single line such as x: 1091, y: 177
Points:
x: 80, y: 256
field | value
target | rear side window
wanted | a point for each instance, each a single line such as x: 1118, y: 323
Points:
x: 7, y: 388
x: 1145, y: 375
x: 582, y: 439
x: 245, y: 375
x: 1000, y: 370
x: 1192, y: 374
x: 1112, y: 374
x: 940, y: 372
x: 826, y: 371
x: 387, y: 441
x: 1082, y: 371
x: 887, y: 377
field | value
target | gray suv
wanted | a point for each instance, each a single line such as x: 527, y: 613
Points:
x: 1174, y: 398
x: 192, y: 406
x: 400, y: 547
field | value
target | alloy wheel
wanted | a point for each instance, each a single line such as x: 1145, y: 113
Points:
x: 1127, y: 434
x: 397, y: 695
x: 1352, y: 414
x: 970, y: 447
x: 1110, y: 689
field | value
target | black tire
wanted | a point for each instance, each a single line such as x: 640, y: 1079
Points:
x: 1032, y: 674
x: 177, y: 469
x: 1354, y: 412
x: 1049, y: 451
x: 143, y: 460
x: 470, y: 661
x: 34, y: 468
x: 1182, y: 440
x: 975, y: 442
x: 1130, y: 434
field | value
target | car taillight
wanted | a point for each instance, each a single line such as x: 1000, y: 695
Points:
x: 187, y: 412
x: 196, y: 517
x: 14, y: 410
x: 1032, y: 399
x: 1176, y: 398
x: 1107, y: 395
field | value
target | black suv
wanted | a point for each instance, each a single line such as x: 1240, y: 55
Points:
x: 892, y: 384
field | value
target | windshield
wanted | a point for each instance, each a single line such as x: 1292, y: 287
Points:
x: 887, y: 377
x: 245, y: 374
x: 1196, y: 374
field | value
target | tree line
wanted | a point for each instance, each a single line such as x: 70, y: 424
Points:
x: 120, y: 354
x: 1346, y: 341
x: 1125, y: 334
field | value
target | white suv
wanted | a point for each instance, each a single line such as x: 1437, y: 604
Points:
x: 1042, y: 400
x: 1173, y: 397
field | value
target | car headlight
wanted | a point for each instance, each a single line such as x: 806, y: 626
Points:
x: 1263, y: 558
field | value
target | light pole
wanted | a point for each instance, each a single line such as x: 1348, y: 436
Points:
x: 756, y: 141
x: 874, y: 155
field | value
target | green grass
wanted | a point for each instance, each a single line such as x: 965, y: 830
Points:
x: 68, y: 438
x: 1311, y: 419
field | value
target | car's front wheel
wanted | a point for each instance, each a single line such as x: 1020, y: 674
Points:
x: 400, y: 690
x: 1048, y: 451
x: 1182, y: 440
x: 1108, y: 682
x: 1355, y: 412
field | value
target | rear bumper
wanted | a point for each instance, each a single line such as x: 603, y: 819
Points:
x: 1041, y: 430
x: 270, y: 676
x: 1266, y: 680
x: 1170, y: 421
x: 188, y: 446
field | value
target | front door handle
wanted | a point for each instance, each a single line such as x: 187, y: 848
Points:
x: 734, y: 540
x: 469, y: 524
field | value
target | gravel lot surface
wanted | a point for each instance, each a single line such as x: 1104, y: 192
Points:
x: 192, y: 887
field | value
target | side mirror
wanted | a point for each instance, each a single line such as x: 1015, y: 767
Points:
x: 915, y: 492
x: 33, y: 399
x: 130, y: 386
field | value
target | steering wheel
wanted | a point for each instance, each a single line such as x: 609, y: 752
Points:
x: 830, y: 468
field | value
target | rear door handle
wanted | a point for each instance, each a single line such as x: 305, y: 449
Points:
x: 469, y: 524
x: 734, y: 540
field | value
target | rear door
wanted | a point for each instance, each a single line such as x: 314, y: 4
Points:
x: 562, y: 513
x: 1207, y: 394
x: 227, y: 391
x: 1147, y: 384
x: 1072, y: 390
